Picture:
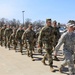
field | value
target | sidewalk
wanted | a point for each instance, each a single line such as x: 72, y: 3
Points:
x: 12, y: 63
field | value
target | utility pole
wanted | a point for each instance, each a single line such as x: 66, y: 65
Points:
x: 23, y: 16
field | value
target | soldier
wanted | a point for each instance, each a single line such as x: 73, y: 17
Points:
x: 29, y: 36
x: 7, y: 33
x: 18, y: 37
x: 12, y: 39
x: 74, y: 46
x: 2, y: 34
x: 56, y: 36
x: 39, y: 49
x: 68, y: 38
x: 46, y: 36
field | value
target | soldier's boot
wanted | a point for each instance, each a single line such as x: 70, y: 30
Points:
x: 51, y: 67
x: 5, y: 44
x: 1, y: 44
x: 55, y: 58
x: 28, y: 54
x: 21, y: 49
x: 41, y: 52
x: 43, y: 61
x: 32, y: 57
x: 9, y: 46
x: 61, y: 68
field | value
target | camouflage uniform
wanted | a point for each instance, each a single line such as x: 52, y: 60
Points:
x: 2, y: 34
x: 18, y: 37
x: 7, y: 33
x: 68, y: 49
x: 56, y: 35
x: 29, y: 37
x: 12, y: 39
x: 39, y: 49
x: 45, y: 36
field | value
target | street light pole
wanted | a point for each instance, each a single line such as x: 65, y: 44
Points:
x: 23, y: 16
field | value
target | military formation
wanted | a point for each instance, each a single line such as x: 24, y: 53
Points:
x: 47, y: 38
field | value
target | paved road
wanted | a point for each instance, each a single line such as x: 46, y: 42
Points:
x: 13, y: 63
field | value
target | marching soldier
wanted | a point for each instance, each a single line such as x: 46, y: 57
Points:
x: 12, y: 39
x: 56, y: 36
x: 7, y: 33
x: 18, y: 37
x: 68, y: 39
x: 45, y: 36
x: 2, y: 34
x: 29, y: 36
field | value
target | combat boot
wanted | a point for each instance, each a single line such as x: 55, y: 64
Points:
x: 52, y: 69
x: 1, y: 44
x: 61, y: 68
x: 32, y: 59
x: 28, y: 54
x: 43, y: 61
x: 55, y: 58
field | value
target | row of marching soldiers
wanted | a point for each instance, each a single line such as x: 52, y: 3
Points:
x: 46, y: 38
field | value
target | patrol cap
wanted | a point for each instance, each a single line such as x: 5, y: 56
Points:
x: 70, y: 25
x: 48, y: 20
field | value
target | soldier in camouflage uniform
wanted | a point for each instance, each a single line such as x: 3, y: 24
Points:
x: 2, y: 34
x: 45, y: 36
x: 18, y: 37
x: 25, y: 43
x: 12, y: 39
x: 7, y: 33
x: 56, y: 36
x: 39, y: 49
x: 29, y: 36
x: 68, y: 39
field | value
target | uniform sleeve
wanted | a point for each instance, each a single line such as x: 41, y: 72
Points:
x: 24, y: 36
x: 60, y: 42
x: 40, y: 37
x: 16, y: 34
x: 5, y: 32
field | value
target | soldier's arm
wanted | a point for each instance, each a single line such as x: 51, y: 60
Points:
x: 60, y: 42
x: 24, y: 37
x: 16, y: 34
x: 5, y: 32
x: 40, y: 38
